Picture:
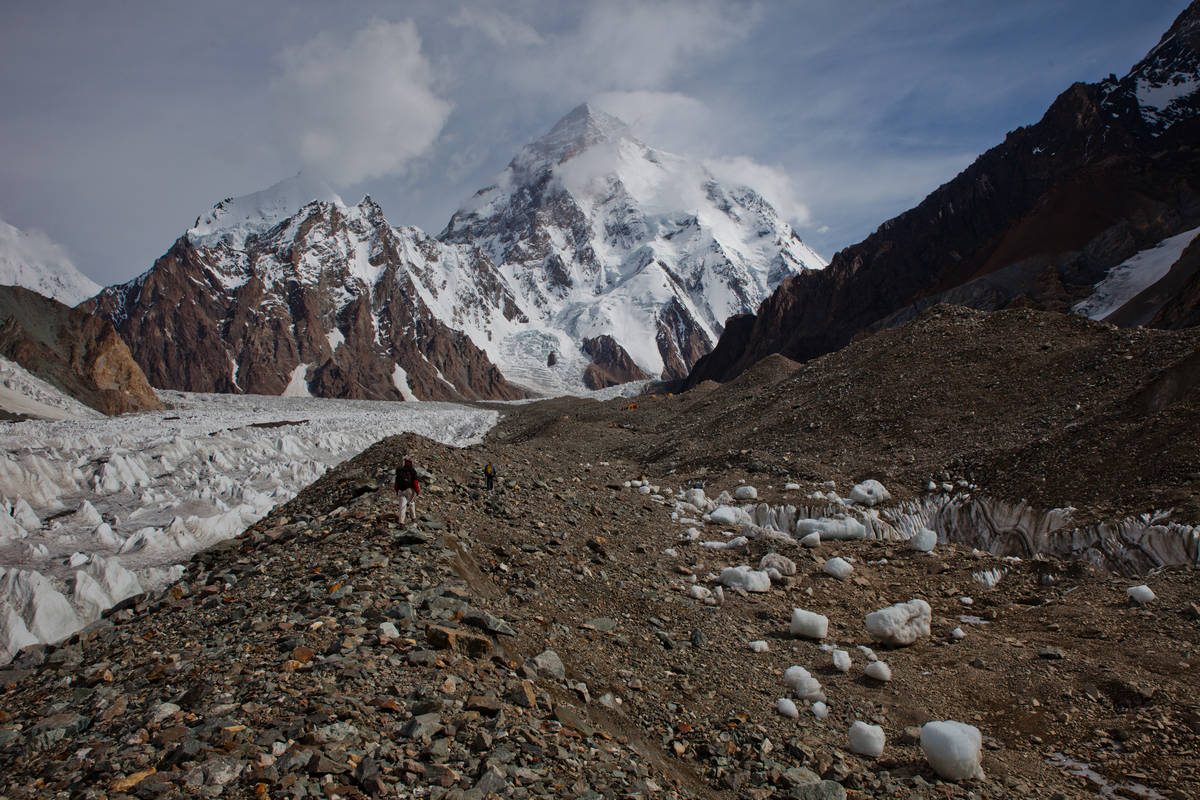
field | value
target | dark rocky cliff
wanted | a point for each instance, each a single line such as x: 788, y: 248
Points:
x: 1036, y: 221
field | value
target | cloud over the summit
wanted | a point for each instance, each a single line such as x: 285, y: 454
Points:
x: 502, y: 29
x: 363, y: 108
x: 633, y: 46
x: 685, y: 125
x: 773, y: 183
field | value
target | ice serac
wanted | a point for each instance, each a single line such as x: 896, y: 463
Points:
x: 34, y: 261
x: 77, y: 353
x: 1041, y: 220
x: 600, y: 235
x: 290, y: 289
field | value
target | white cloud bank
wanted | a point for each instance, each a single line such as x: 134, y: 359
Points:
x: 681, y: 123
x: 501, y: 28
x: 360, y: 109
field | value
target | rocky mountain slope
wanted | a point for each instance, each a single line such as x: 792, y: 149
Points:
x: 330, y: 300
x: 600, y: 235
x: 78, y: 353
x: 1072, y: 212
x: 595, y: 259
x: 562, y: 635
x: 35, y: 262
x: 1042, y: 407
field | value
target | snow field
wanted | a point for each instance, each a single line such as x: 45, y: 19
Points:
x: 98, y: 510
x: 1129, y: 278
x: 23, y: 393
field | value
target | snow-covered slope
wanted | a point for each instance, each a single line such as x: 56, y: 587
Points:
x: 28, y: 395
x: 32, y: 260
x: 599, y: 234
x: 235, y: 218
x: 1161, y: 89
x: 1130, y: 278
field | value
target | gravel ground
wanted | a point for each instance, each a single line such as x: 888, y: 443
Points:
x: 329, y: 651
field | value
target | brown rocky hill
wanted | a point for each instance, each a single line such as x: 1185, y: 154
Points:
x: 1029, y: 405
x: 326, y: 300
x: 79, y: 353
x: 1036, y: 221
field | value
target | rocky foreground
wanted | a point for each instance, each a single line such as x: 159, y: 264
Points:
x: 542, y: 640
x: 562, y: 635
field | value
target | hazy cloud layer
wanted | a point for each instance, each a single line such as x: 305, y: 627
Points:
x: 502, y: 29
x: 361, y: 108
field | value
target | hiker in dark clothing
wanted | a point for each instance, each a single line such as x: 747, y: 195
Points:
x: 489, y: 472
x: 408, y: 488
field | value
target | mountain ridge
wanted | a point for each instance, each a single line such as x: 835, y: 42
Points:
x: 587, y: 234
x: 1038, y: 220
x: 587, y: 221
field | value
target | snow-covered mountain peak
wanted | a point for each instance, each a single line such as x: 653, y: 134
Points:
x: 1164, y: 87
x: 582, y: 127
x: 601, y: 235
x: 32, y: 260
x: 594, y: 259
x: 235, y: 218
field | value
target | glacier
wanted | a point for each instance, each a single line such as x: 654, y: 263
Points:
x: 97, y: 509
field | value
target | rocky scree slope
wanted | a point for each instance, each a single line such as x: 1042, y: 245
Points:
x: 78, y: 353
x: 1044, y: 407
x: 329, y: 652
x: 329, y: 300
x: 1039, y: 220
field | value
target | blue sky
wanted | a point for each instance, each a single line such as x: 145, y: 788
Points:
x: 124, y: 121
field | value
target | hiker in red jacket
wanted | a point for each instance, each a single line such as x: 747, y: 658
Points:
x: 408, y: 488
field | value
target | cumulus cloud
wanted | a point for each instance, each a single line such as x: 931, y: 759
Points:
x: 645, y: 45
x: 501, y: 28
x: 668, y: 120
x: 772, y: 183
x: 683, y: 124
x: 360, y: 109
x: 622, y: 45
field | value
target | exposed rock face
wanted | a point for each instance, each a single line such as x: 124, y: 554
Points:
x: 611, y: 365
x: 330, y: 300
x: 79, y: 353
x: 1180, y: 306
x: 1038, y: 221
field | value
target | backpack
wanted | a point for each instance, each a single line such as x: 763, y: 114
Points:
x: 406, y: 478
x: 489, y: 470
